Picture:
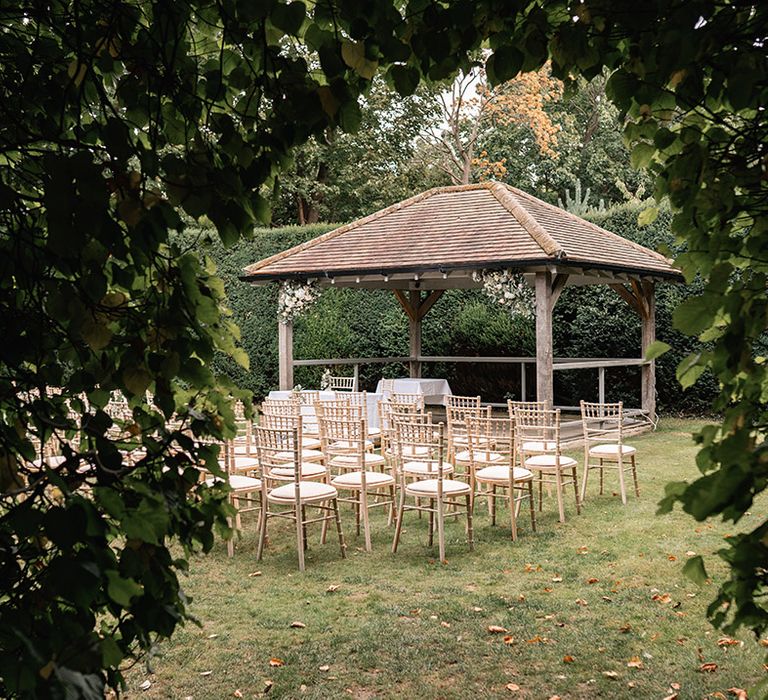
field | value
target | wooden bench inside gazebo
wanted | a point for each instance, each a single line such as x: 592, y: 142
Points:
x: 438, y: 239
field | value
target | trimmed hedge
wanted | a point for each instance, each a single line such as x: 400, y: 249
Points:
x: 589, y: 322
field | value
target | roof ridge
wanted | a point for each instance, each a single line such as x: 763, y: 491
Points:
x: 600, y: 229
x: 250, y: 269
x: 507, y: 199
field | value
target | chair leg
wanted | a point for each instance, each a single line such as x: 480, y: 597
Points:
x: 441, y: 529
x: 541, y: 493
x: 431, y: 524
x: 300, y: 535
x: 262, y: 531
x: 532, y: 506
x: 584, y: 477
x: 559, y: 487
x: 337, y: 518
x: 576, y: 490
x: 366, y: 522
x: 398, y: 521
x: 634, y: 475
x: 602, y: 472
x: 513, y: 511
x: 231, y: 540
x: 304, y: 525
x: 470, y: 531
x: 492, y: 502
x: 622, y: 487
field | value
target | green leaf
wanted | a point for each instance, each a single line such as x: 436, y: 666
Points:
x: 656, y: 349
x: 504, y: 64
x: 353, y: 54
x: 694, y: 570
x: 647, y: 216
x: 137, y: 380
x: 289, y: 17
x: 405, y: 79
x: 642, y: 154
x: 121, y: 590
x: 690, y: 369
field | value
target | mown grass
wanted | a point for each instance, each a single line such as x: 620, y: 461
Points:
x: 405, y: 626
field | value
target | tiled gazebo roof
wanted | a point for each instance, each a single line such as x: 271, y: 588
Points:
x: 454, y: 230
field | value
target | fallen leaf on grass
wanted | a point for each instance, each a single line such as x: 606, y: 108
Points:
x: 675, y: 686
x: 582, y: 550
x: 690, y: 553
x: 512, y: 687
x: 672, y: 696
x: 663, y: 598
x: 274, y: 661
x: 607, y: 599
x: 238, y: 693
x: 298, y: 625
x: 206, y: 673
x: 593, y: 580
x: 476, y: 609
x: 254, y: 573
x: 521, y: 598
x: 268, y: 686
x: 672, y: 557
x: 324, y: 667
x: 333, y: 587
x: 529, y: 568
x: 548, y: 589
x: 740, y: 693
x: 445, y: 624
x: 538, y: 639
x: 496, y: 629
x: 509, y: 639
x: 729, y: 642
x: 709, y: 667
x: 568, y: 659
x: 146, y: 685
x: 625, y: 628
x: 764, y: 642
x: 635, y: 662
x: 557, y: 579
x: 581, y: 601
x: 212, y: 636
x: 554, y: 697
x: 611, y: 674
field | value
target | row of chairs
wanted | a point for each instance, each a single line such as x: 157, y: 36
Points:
x: 435, y: 466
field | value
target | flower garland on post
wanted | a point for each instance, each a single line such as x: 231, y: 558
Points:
x: 509, y: 290
x: 295, y: 298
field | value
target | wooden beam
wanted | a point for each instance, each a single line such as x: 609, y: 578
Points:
x: 630, y: 298
x: 405, y: 303
x: 640, y: 295
x: 414, y: 332
x: 544, y: 388
x: 648, y: 371
x: 557, y: 286
x: 429, y: 302
x: 285, y: 354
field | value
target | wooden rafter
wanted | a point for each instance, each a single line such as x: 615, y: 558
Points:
x: 416, y: 312
x: 558, y: 284
x: 635, y: 298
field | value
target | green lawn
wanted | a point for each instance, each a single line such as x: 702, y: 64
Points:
x: 579, y: 602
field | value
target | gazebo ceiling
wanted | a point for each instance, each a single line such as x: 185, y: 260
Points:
x: 437, y: 239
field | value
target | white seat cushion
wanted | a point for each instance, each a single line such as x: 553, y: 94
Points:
x: 237, y: 482
x: 353, y: 480
x: 611, y: 450
x: 413, y: 450
x: 350, y: 445
x: 429, y: 486
x: 310, y: 443
x: 539, y: 446
x: 308, y: 491
x: 549, y: 462
x: 481, y: 457
x: 351, y: 461
x: 419, y: 468
x: 245, y: 449
x: 500, y: 474
x: 242, y: 463
x: 309, y: 470
x: 374, y: 432
x: 306, y: 456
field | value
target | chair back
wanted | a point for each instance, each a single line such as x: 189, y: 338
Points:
x: 416, y: 399
x: 458, y: 418
x: 271, y: 446
x: 602, y: 422
x: 489, y: 437
x: 528, y: 405
x: 423, y: 441
x: 342, y: 383
x: 341, y: 437
x: 308, y: 397
x: 453, y: 401
x: 535, y: 425
x: 387, y: 387
x: 281, y: 407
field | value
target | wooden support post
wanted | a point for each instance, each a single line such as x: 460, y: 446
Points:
x: 285, y: 354
x: 522, y: 381
x: 601, y: 384
x: 544, y: 388
x: 648, y: 372
x: 414, y: 332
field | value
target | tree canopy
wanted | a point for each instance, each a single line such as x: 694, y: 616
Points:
x: 120, y: 120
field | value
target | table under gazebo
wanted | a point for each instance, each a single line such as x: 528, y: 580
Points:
x: 450, y: 238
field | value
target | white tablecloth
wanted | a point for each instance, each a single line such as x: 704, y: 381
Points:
x: 372, y: 401
x: 433, y: 390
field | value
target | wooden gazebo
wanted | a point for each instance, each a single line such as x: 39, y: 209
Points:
x: 436, y: 240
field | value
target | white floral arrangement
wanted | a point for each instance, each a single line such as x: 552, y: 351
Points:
x: 325, y: 380
x: 295, y: 298
x: 297, y: 389
x: 509, y: 290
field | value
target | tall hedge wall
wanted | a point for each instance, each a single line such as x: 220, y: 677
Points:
x: 588, y: 322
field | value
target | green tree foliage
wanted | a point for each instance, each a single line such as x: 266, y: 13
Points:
x: 116, y: 115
